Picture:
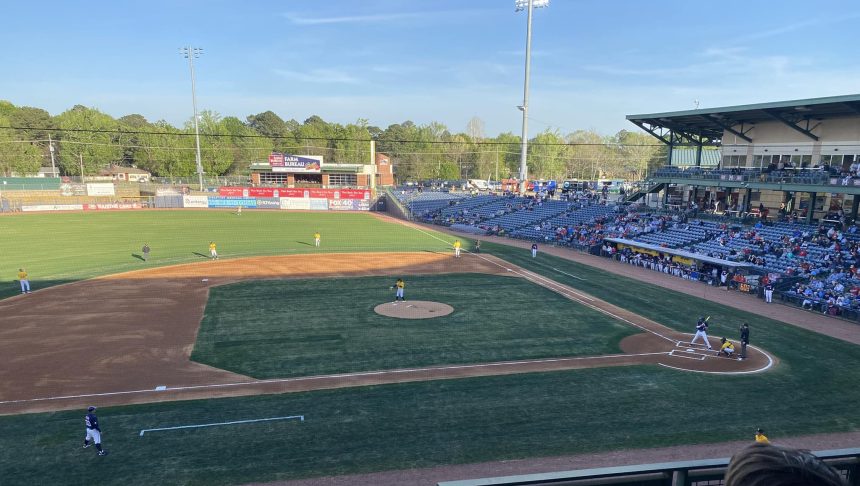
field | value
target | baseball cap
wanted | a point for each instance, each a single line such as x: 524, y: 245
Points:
x: 91, y: 409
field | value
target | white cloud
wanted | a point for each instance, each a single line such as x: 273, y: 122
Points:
x: 319, y: 76
x: 351, y: 19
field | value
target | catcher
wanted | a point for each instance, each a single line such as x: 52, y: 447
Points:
x: 726, y: 348
x: 399, y: 285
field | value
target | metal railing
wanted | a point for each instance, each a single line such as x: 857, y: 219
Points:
x: 686, y: 473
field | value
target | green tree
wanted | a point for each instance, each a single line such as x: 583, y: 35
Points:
x: 17, y: 154
x: 88, y: 135
x: 246, y: 144
x: 548, y: 155
x: 216, y: 155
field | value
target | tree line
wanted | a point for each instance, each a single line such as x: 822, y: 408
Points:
x: 85, y: 138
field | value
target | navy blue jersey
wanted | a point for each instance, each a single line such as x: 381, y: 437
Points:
x: 745, y: 335
x: 92, y: 421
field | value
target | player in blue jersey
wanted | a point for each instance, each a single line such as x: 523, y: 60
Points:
x: 93, y: 431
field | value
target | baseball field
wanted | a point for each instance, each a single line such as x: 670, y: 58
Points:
x: 271, y: 363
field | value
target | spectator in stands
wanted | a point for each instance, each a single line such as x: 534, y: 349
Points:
x: 763, y: 464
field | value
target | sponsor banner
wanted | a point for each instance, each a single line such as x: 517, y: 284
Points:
x: 268, y: 203
x: 232, y: 202
x: 233, y: 191
x: 110, y: 206
x: 53, y: 207
x: 270, y: 192
x: 306, y: 164
x: 319, y: 204
x: 295, y: 203
x: 195, y: 201
x: 349, y: 205
x: 342, y: 204
x: 72, y: 189
x: 100, y: 189
x: 351, y: 194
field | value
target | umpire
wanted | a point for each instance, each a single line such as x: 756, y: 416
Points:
x: 745, y: 339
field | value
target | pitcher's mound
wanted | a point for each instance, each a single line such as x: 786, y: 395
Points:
x: 414, y: 309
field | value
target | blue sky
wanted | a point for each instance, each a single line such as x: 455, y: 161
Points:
x: 594, y: 61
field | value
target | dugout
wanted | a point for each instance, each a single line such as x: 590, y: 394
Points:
x: 701, y: 262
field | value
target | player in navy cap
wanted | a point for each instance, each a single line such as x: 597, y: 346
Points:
x: 93, y: 431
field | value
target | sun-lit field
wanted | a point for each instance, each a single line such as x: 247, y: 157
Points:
x: 289, y: 328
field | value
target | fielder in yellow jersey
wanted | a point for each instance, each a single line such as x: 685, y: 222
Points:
x: 25, y: 281
x: 400, y: 285
x: 212, y: 252
x: 457, y: 246
x: 317, y: 239
x: 760, y: 437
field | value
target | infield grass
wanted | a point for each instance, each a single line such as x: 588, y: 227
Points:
x: 59, y: 248
x: 282, y: 328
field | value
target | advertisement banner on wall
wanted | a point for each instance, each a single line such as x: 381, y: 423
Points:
x: 53, y: 207
x: 72, y: 189
x: 295, y: 203
x: 351, y: 194
x: 195, y: 201
x: 268, y: 203
x: 343, y: 204
x: 110, y: 206
x: 232, y: 202
x: 235, y: 191
x: 100, y: 189
x: 300, y: 164
x: 319, y: 204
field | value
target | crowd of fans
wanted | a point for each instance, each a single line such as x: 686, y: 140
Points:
x: 820, y: 262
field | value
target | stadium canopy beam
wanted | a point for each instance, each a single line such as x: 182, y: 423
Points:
x: 727, y: 127
x: 656, y: 135
x: 853, y: 106
x: 790, y: 124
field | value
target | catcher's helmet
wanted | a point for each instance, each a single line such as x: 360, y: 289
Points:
x: 91, y: 409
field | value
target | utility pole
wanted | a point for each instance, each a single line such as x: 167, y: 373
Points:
x: 82, y: 167
x: 51, y: 149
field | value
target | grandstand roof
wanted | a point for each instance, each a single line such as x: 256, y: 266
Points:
x: 681, y: 253
x: 709, y: 123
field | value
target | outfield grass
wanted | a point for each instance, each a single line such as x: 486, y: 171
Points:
x: 813, y: 389
x: 58, y: 248
x: 281, y: 328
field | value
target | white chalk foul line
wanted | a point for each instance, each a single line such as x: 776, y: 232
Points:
x: 568, y: 274
x: 325, y: 377
x: 763, y: 368
x: 300, y: 417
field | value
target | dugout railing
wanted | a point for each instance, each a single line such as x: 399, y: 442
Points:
x: 708, y: 472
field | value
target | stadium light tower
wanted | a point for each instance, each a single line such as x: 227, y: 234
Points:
x: 190, y: 53
x: 527, y: 5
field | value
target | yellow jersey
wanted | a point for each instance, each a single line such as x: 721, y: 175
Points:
x: 727, y: 345
x: 211, y: 246
x: 22, y: 275
x: 316, y: 236
x: 457, y: 244
x: 400, y: 284
x: 761, y: 438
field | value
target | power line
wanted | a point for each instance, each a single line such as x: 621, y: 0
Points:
x: 298, y: 139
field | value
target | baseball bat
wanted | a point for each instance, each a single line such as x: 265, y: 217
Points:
x: 707, y: 318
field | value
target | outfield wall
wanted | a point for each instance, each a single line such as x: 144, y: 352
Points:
x: 308, y: 199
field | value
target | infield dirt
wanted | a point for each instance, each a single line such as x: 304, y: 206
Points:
x: 117, y: 339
